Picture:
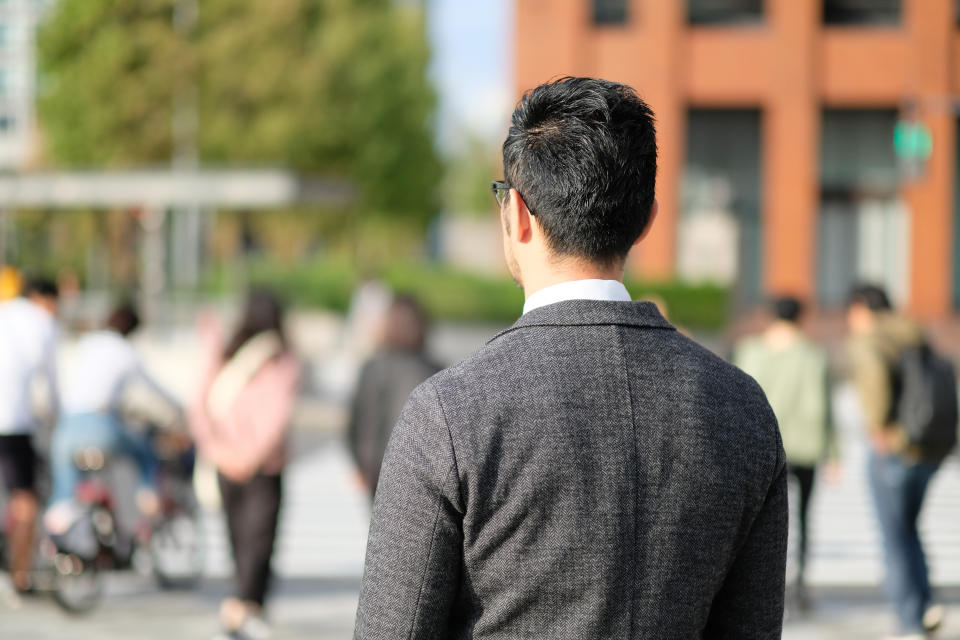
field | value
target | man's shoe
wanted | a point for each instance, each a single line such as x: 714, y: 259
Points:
x: 933, y: 617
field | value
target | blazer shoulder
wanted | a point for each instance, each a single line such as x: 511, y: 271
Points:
x: 739, y: 392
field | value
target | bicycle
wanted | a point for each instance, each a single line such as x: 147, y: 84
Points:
x: 168, y: 545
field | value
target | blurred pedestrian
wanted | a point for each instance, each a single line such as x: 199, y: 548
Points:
x: 884, y: 346
x: 11, y: 282
x: 793, y: 371
x: 589, y: 473
x: 94, y: 399
x: 240, y: 418
x: 368, y: 305
x: 28, y: 340
x: 398, y: 365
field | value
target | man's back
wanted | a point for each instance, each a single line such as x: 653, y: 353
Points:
x: 590, y: 473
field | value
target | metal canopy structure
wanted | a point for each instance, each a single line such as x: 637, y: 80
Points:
x: 186, y: 194
x: 235, y: 189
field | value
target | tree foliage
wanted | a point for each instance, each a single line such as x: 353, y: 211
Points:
x: 334, y: 87
x: 466, y: 187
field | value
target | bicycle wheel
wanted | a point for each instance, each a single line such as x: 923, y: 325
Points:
x: 176, y: 549
x: 77, y: 584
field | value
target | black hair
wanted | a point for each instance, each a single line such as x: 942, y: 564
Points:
x: 263, y: 312
x: 582, y: 153
x: 405, y: 324
x: 124, y: 319
x: 787, y: 308
x: 871, y: 296
x: 40, y: 286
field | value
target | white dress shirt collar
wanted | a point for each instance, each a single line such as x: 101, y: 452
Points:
x: 610, y: 290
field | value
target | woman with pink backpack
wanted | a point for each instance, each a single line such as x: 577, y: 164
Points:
x: 239, y: 419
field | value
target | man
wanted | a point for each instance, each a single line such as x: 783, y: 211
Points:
x: 27, y: 349
x: 900, y: 471
x: 590, y: 473
x: 793, y: 372
x: 106, y: 365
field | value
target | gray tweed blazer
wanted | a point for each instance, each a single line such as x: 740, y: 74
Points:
x: 590, y: 473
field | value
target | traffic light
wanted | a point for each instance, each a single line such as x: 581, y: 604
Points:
x: 913, y: 144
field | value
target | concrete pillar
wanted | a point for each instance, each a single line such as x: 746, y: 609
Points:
x: 930, y: 24
x: 4, y: 233
x: 660, y: 81
x: 549, y: 40
x: 153, y: 268
x: 791, y: 147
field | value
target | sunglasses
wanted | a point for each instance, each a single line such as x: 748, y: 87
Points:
x: 501, y: 190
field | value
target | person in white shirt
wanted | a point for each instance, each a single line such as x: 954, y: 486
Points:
x: 105, y: 366
x: 28, y: 336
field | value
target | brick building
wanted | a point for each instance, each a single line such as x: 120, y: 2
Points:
x: 776, y: 124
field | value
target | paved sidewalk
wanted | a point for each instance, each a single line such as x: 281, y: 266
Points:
x: 323, y: 609
x: 859, y: 613
x: 318, y: 609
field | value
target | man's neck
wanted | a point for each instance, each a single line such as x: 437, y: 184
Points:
x: 781, y: 334
x: 567, y: 271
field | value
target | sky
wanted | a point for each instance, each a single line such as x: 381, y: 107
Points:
x: 472, y: 67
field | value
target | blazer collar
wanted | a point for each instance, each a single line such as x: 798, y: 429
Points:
x: 573, y: 313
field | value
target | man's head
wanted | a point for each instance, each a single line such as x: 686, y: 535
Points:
x: 124, y: 319
x: 787, y: 309
x: 42, y: 292
x: 580, y: 162
x: 863, y: 304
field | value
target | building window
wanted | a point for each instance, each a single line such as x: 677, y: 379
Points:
x: 719, y: 232
x: 724, y: 11
x: 861, y: 12
x: 863, y: 231
x: 609, y: 12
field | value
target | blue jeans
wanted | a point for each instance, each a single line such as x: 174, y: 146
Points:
x: 898, y: 488
x: 104, y: 431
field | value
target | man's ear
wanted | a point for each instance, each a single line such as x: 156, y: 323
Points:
x: 654, y: 209
x: 520, y: 218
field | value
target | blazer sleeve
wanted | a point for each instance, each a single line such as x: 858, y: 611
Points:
x: 415, y: 548
x: 749, y: 605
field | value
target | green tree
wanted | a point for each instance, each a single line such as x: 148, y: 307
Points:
x: 334, y: 87
x: 466, y: 187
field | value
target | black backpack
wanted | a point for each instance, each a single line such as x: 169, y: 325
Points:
x: 925, y: 398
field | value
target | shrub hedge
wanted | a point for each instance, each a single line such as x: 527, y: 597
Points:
x: 453, y: 295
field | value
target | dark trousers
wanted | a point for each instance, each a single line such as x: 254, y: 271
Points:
x: 898, y: 488
x: 804, y: 476
x: 252, y: 510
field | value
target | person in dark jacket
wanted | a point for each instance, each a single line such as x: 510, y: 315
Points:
x: 590, y: 473
x: 899, y: 471
x: 395, y: 369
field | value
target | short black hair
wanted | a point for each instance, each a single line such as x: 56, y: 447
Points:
x: 582, y: 152
x: 871, y: 296
x: 40, y: 286
x: 124, y: 319
x: 787, y: 308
